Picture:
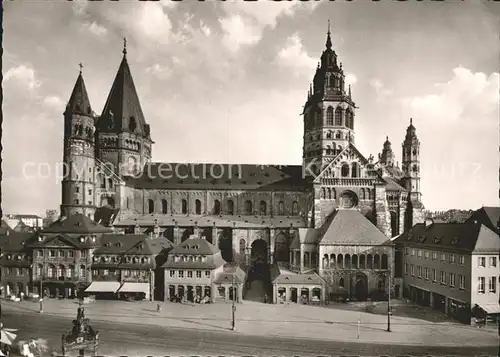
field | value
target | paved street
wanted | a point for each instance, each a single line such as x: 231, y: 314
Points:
x: 261, y: 330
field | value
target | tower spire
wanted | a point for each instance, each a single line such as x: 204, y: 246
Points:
x: 328, y: 38
x: 124, y: 46
x: 411, y: 121
x: 81, y: 67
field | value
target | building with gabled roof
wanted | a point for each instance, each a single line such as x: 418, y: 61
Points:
x: 489, y: 216
x: 195, y: 270
x: 129, y: 266
x: 15, y: 264
x: 452, y: 267
x: 114, y: 181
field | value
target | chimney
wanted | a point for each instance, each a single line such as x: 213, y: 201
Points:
x: 428, y: 222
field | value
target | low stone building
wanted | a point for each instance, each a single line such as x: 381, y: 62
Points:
x: 304, y: 288
x: 349, y: 253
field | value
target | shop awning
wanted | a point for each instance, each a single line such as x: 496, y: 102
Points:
x: 103, y: 287
x: 134, y: 288
x: 491, y: 308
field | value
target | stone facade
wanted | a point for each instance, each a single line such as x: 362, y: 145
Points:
x: 253, y: 202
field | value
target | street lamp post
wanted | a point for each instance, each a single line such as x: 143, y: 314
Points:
x: 41, y: 290
x: 389, y: 302
x: 233, y: 327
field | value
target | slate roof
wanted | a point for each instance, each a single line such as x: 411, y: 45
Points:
x: 61, y: 240
x: 226, y: 276
x: 489, y: 216
x: 131, y: 244
x: 287, y: 277
x: 220, y: 221
x: 195, y: 247
x: 122, y: 104
x: 204, y: 176
x: 5, y: 228
x: 392, y: 185
x: 79, y: 101
x: 395, y: 172
x: 22, y: 227
x: 469, y: 237
x: 349, y: 226
x: 305, y: 236
x: 15, y: 242
x: 105, y: 215
x: 77, y: 223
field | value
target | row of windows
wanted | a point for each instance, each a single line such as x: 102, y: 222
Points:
x: 190, y: 258
x: 492, y: 285
x: 61, y: 253
x: 125, y: 272
x: 216, y: 209
x: 189, y: 274
x: 356, y: 261
x: 423, y: 273
x: 118, y: 259
x: 492, y: 262
x: 452, y: 257
x: 331, y: 193
x: 336, y: 118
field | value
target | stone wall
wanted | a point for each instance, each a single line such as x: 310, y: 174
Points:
x: 382, y: 214
x: 207, y: 200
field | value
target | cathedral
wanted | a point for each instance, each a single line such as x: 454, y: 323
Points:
x: 331, y: 217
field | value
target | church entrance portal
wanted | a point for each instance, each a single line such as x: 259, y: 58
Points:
x: 361, y: 286
x: 226, y: 244
x: 281, y: 250
x: 258, y: 279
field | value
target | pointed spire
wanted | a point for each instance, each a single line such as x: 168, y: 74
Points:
x: 124, y: 46
x: 328, y: 38
x: 123, y: 104
x: 349, y: 90
x: 81, y: 67
x: 79, y: 101
x: 411, y: 121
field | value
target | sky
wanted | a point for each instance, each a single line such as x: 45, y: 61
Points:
x: 226, y: 82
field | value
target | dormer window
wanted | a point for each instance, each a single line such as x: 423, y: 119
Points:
x: 422, y: 239
x: 437, y: 240
x: 455, y: 241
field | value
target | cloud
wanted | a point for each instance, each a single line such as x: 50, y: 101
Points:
x: 238, y: 32
x: 380, y: 89
x: 95, y: 28
x: 23, y: 76
x: 54, y: 102
x: 249, y: 22
x: 159, y: 71
x: 294, y: 56
x: 466, y: 97
x: 351, y: 79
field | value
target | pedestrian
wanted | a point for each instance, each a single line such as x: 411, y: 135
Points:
x: 265, y: 298
x: 158, y: 307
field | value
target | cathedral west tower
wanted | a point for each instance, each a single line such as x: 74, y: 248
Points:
x: 78, y: 184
